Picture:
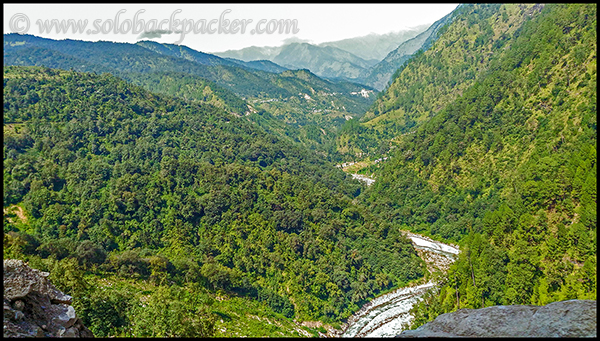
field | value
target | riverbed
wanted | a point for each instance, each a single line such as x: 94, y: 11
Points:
x: 386, y: 315
x: 369, y: 181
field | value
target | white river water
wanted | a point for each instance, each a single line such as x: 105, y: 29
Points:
x: 369, y: 181
x: 385, y: 315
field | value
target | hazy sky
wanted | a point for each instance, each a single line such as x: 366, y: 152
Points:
x: 315, y: 23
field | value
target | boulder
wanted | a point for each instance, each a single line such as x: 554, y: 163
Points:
x: 573, y: 318
x: 33, y: 307
x: 20, y: 280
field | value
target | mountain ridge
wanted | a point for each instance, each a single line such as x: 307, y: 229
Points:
x: 296, y: 97
x: 381, y: 74
x: 507, y: 167
x: 333, y: 60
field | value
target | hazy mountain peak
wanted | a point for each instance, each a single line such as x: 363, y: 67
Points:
x: 348, y: 58
x: 294, y: 39
x: 376, y: 46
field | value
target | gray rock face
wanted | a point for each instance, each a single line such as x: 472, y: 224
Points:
x: 20, y: 280
x: 33, y: 307
x: 573, y: 318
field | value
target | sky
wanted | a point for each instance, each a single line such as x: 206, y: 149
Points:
x: 218, y: 27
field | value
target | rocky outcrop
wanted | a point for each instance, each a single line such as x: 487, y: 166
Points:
x: 33, y: 307
x: 573, y: 318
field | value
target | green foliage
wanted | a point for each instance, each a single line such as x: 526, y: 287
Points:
x: 89, y: 253
x: 491, y: 134
x: 188, y: 87
x: 173, y: 312
x: 157, y: 189
x: 279, y: 304
x: 191, y: 75
x: 434, y: 77
x: 105, y: 312
x: 508, y: 170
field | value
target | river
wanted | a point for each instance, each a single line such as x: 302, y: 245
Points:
x: 385, y: 315
x: 369, y: 181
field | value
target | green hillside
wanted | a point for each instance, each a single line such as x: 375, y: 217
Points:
x: 185, y: 52
x: 432, y: 79
x: 506, y: 166
x: 174, y: 193
x: 162, y: 197
x: 113, y: 57
x: 380, y: 75
x: 313, y: 107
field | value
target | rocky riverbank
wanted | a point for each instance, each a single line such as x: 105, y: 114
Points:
x: 386, y: 315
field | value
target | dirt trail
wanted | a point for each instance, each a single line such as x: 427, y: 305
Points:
x: 18, y: 211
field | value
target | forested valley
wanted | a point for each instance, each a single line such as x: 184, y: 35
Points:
x: 117, y: 181
x: 197, y: 197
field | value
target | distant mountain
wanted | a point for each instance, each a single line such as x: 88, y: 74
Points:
x: 118, y: 58
x: 379, y: 76
x: 252, y: 53
x: 263, y: 65
x: 327, y: 61
x: 146, y: 57
x: 376, y: 46
x: 324, y: 61
x: 185, y: 52
x: 313, y: 107
x: 349, y: 59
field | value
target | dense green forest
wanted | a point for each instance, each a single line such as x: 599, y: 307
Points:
x: 312, y: 108
x: 186, y: 195
x: 430, y: 80
x: 116, y: 182
x: 507, y: 168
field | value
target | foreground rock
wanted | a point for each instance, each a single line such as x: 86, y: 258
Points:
x: 33, y: 307
x: 573, y: 318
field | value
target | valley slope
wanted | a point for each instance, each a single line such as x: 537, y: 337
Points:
x: 493, y: 145
x: 145, y: 201
x: 185, y: 194
x: 312, y: 108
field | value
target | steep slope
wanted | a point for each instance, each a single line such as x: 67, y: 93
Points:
x: 326, y: 61
x: 157, y: 191
x: 376, y: 46
x: 507, y: 167
x: 187, y: 53
x: 432, y: 79
x: 380, y: 74
x: 296, y: 97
